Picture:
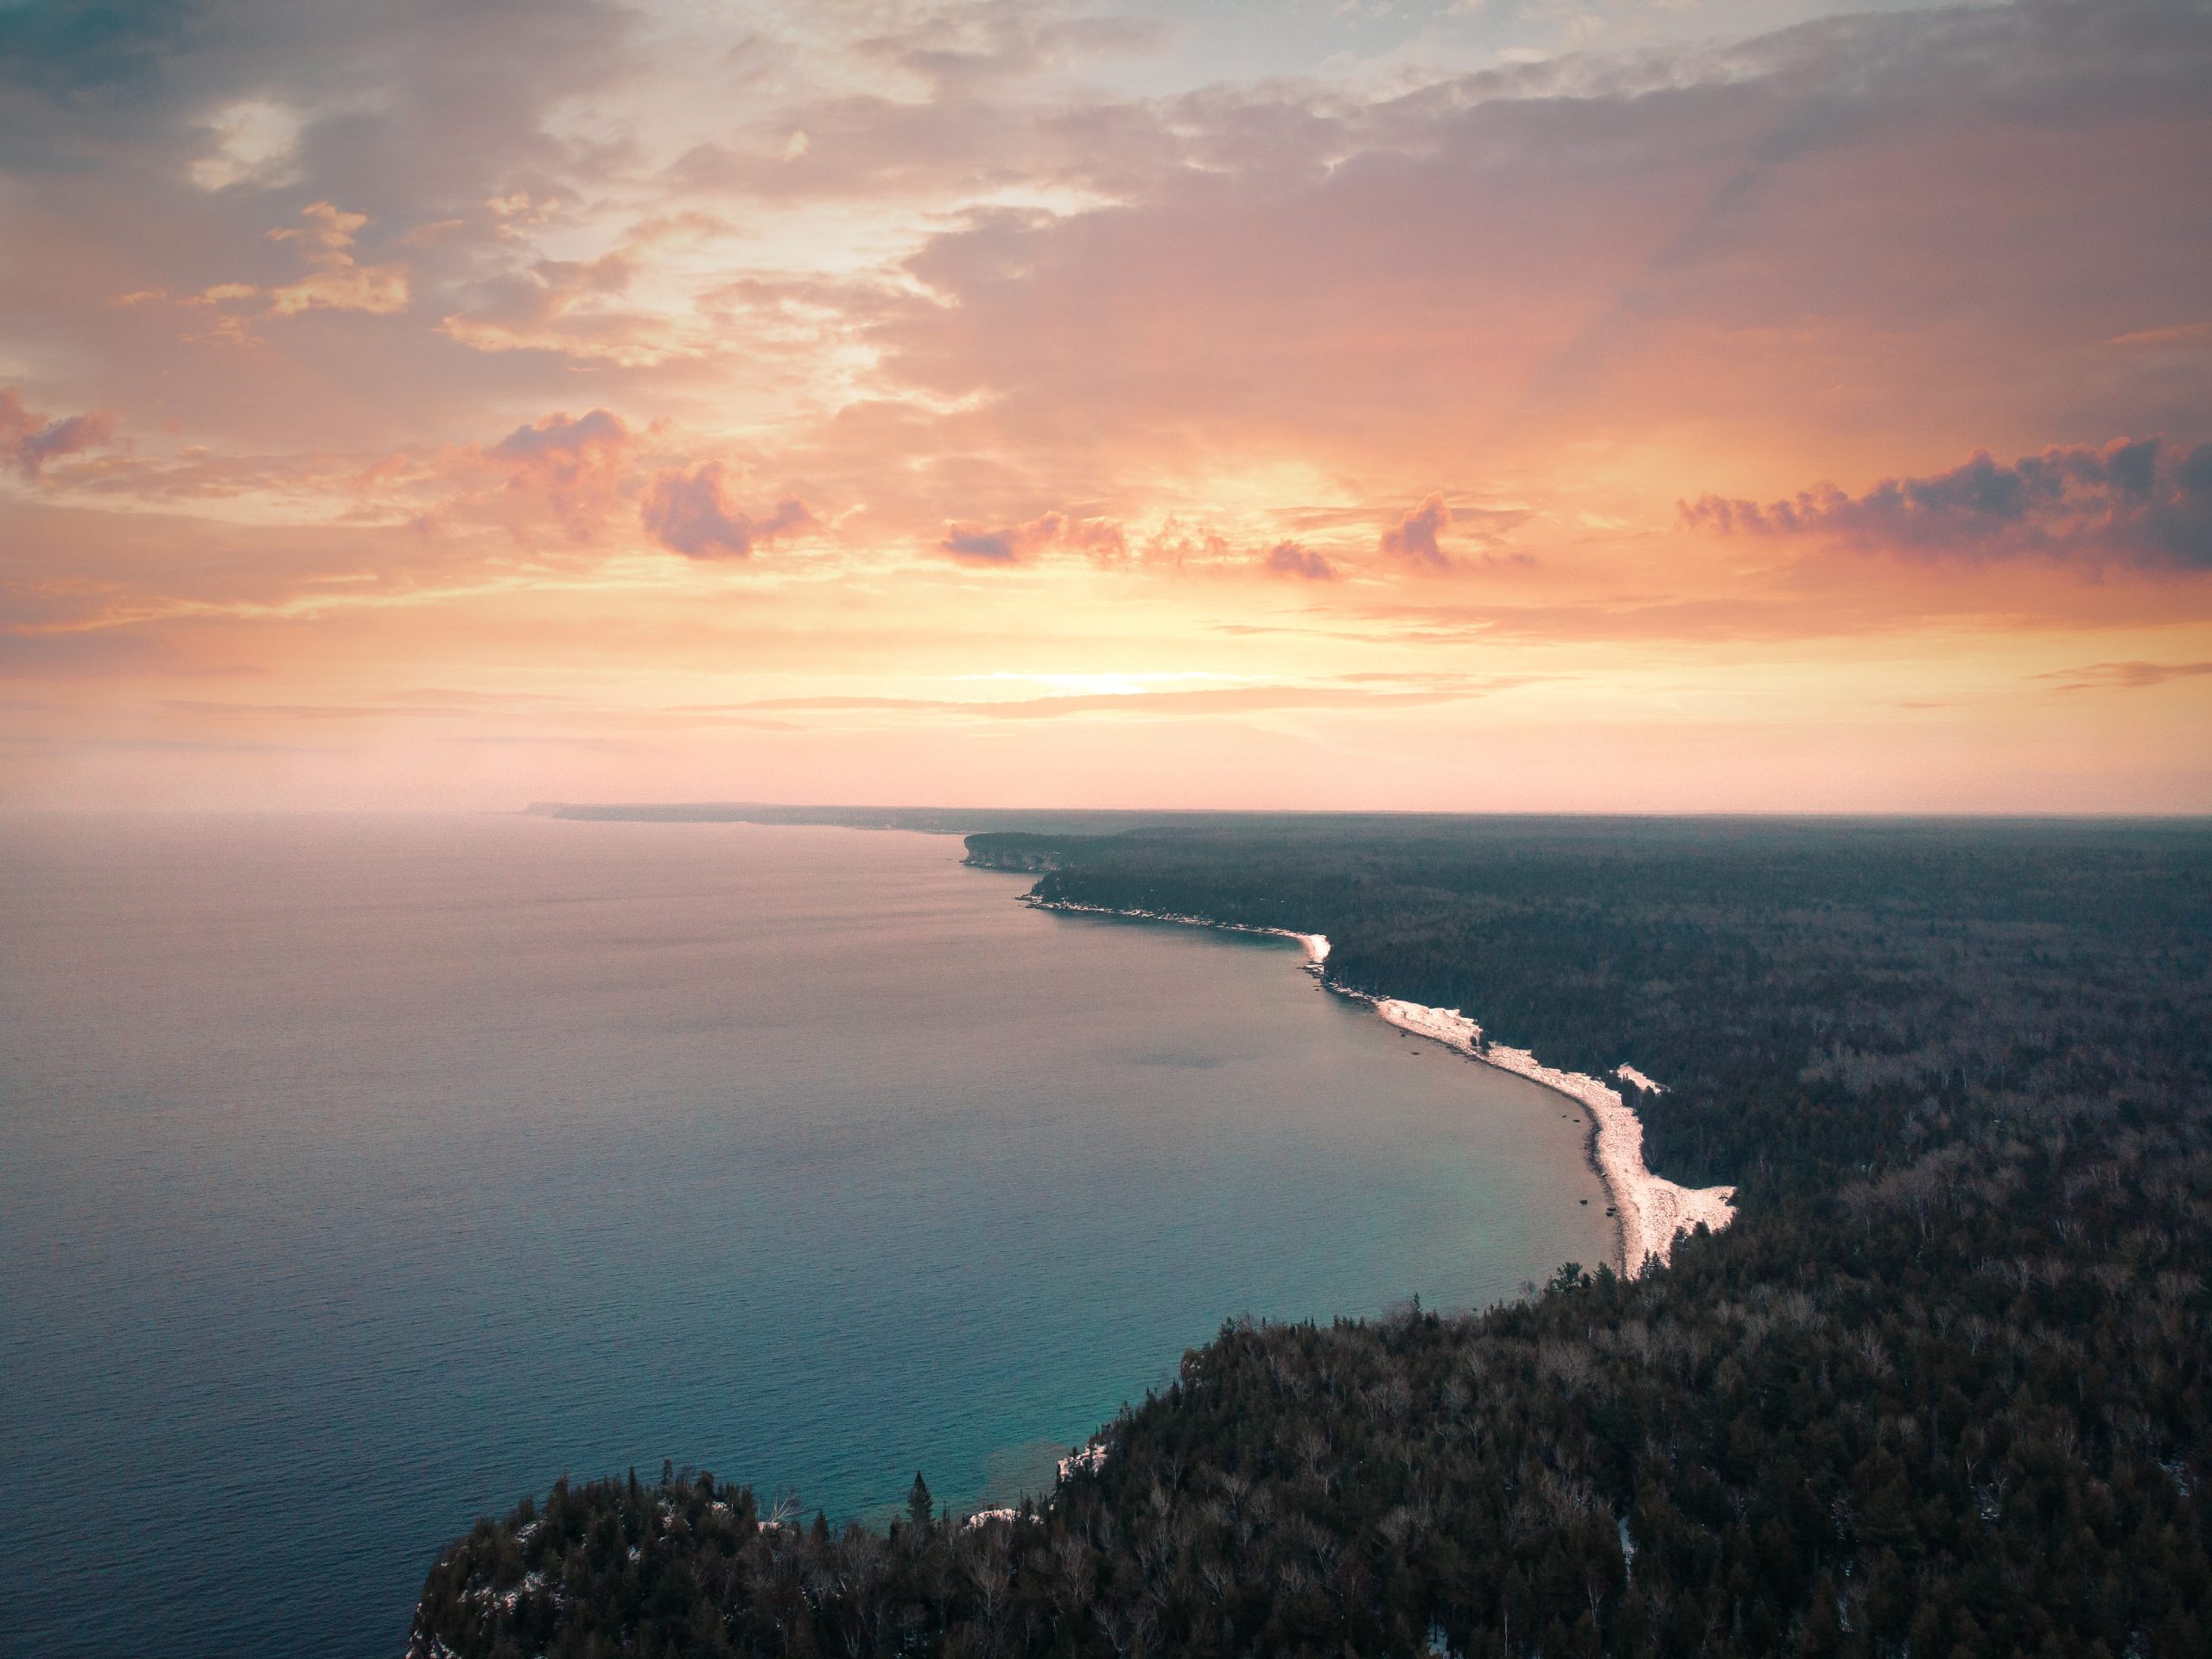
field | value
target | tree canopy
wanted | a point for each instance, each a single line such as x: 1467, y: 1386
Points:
x: 1941, y: 1388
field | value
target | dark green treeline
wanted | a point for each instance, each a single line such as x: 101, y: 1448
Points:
x: 1940, y: 1389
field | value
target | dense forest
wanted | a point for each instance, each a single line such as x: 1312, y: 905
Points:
x: 1941, y: 1388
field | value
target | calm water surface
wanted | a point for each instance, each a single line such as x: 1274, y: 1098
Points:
x: 358, y: 1176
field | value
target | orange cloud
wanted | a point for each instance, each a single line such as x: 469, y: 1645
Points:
x: 336, y: 282
x: 339, y: 282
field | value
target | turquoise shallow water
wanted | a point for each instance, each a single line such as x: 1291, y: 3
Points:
x: 359, y: 1175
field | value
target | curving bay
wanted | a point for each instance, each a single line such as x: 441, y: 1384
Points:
x: 359, y: 1175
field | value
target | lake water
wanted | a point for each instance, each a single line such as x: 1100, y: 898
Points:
x: 358, y: 1176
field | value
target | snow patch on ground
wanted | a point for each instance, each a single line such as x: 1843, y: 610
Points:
x: 1091, y: 1459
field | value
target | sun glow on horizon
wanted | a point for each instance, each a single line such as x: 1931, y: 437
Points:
x: 1035, y: 404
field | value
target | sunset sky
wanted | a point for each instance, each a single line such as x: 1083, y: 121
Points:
x: 1508, y: 405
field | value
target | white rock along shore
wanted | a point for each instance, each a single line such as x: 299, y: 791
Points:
x: 1652, y: 1210
x: 1317, y: 944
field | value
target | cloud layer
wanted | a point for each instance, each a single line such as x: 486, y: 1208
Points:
x: 843, y: 354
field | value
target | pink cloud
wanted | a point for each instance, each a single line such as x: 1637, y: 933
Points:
x: 31, y: 440
x: 1102, y: 538
x: 576, y: 465
x: 1289, y: 559
x: 689, y: 513
x: 1412, y: 538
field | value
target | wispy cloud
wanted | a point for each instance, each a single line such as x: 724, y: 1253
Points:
x: 2122, y: 677
x: 1153, y: 704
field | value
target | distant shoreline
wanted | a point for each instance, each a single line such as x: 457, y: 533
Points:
x: 1649, y: 1210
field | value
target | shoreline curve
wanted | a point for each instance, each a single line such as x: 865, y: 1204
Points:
x: 1652, y: 1210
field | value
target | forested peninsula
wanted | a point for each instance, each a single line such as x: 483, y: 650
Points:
x: 1941, y: 1388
